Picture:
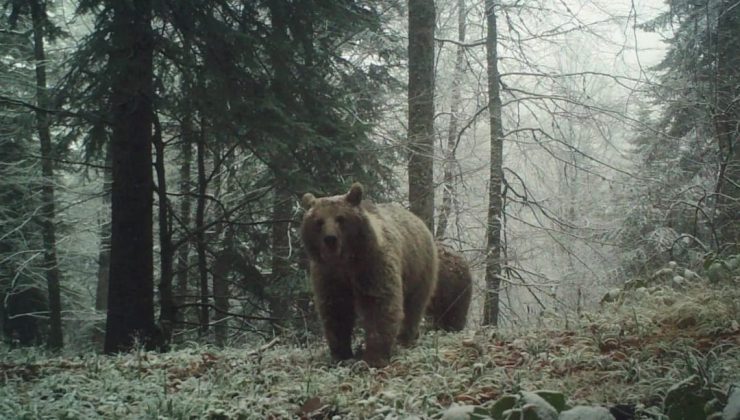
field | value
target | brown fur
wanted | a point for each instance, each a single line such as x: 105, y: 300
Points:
x: 372, y: 263
x: 448, y: 309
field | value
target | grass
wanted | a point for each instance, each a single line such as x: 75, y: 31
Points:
x: 631, y: 352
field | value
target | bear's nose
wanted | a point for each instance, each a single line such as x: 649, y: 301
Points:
x: 330, y: 241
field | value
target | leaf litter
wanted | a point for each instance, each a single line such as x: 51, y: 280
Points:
x: 631, y: 352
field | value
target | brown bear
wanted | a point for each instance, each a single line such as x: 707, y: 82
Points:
x: 376, y: 263
x: 448, y: 309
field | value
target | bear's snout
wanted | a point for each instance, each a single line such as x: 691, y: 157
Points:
x: 330, y: 241
x: 331, y: 246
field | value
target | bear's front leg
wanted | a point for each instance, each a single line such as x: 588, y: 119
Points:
x: 382, y: 321
x: 338, y: 317
x: 339, y: 336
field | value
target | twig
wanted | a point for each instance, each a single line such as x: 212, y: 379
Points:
x: 265, y: 347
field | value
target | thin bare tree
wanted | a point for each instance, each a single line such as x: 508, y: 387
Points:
x: 495, y: 201
x: 450, y: 163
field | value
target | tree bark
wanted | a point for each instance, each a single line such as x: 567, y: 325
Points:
x: 186, y: 204
x: 281, y: 211
x: 221, y: 267
x: 223, y: 262
x: 450, y: 163
x: 101, y: 292
x: 495, y: 201
x: 131, y: 294
x: 200, y: 237
x: 167, y: 308
x: 421, y: 109
x: 281, y: 203
x: 186, y: 159
x: 51, y: 266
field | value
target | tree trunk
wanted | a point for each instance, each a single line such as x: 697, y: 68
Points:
x: 281, y: 205
x: 279, y: 300
x: 186, y: 159
x: 186, y: 204
x: 200, y: 237
x: 495, y: 201
x: 221, y: 267
x: 101, y: 293
x: 131, y: 294
x: 222, y: 262
x: 421, y: 109
x: 450, y: 164
x: 51, y: 267
x: 167, y: 309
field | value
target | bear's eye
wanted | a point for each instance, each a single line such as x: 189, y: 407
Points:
x: 340, y: 219
x: 319, y: 223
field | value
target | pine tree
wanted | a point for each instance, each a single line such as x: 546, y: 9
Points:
x: 699, y: 91
x: 131, y: 288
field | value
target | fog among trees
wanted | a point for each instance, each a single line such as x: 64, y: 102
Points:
x: 153, y: 155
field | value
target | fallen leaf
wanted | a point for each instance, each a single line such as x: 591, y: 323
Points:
x: 312, y: 404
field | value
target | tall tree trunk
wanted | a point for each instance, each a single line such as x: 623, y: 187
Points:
x: 421, y: 109
x: 131, y: 293
x: 186, y: 159
x: 222, y: 263
x: 186, y: 204
x: 495, y: 201
x: 200, y: 237
x: 51, y: 267
x: 450, y: 164
x: 101, y: 292
x: 167, y: 309
x: 281, y: 204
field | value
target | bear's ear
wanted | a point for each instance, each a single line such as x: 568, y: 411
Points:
x: 354, y: 196
x: 307, y: 201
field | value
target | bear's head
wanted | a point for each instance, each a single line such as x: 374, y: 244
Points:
x: 334, y: 228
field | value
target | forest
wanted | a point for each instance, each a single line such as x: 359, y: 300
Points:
x: 580, y: 157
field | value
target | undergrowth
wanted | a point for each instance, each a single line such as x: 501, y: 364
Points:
x: 631, y: 352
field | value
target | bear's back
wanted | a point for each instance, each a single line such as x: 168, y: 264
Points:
x: 401, y: 234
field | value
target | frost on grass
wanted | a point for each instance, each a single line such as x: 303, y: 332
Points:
x: 630, y: 353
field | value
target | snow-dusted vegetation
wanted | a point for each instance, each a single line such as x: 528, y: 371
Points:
x: 654, y: 351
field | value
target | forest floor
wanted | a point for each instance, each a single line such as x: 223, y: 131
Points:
x: 631, y: 353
